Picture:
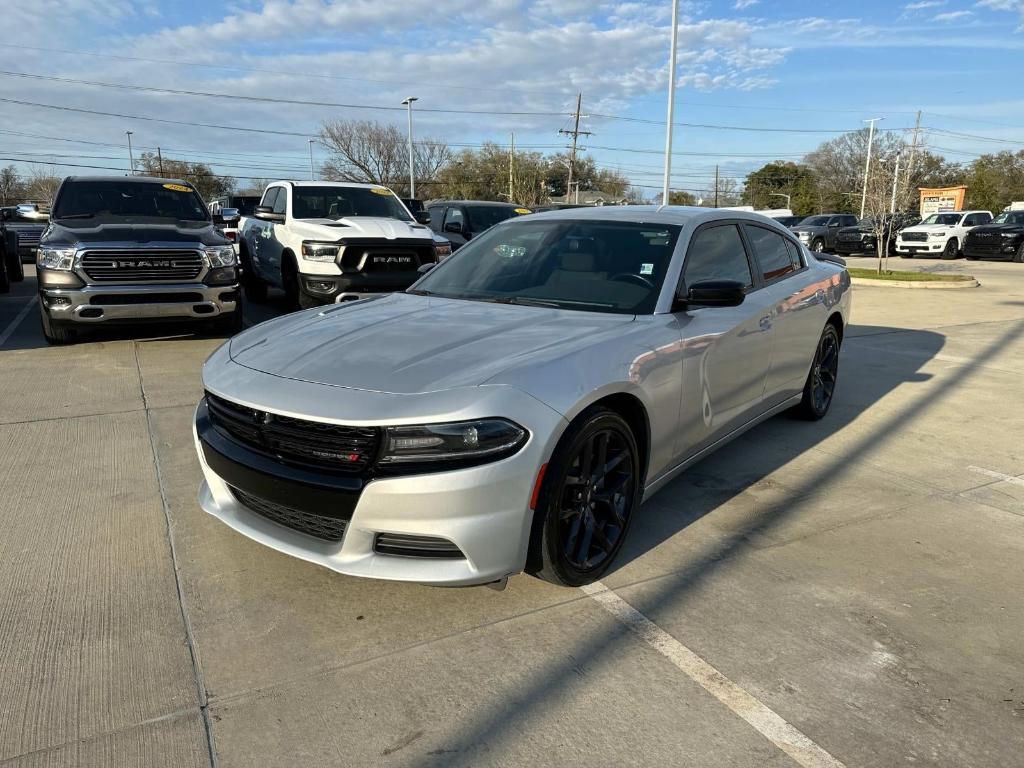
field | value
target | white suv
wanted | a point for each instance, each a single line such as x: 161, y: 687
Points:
x: 941, y: 234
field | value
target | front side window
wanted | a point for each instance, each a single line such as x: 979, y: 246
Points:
x: 436, y: 217
x: 125, y: 199
x: 717, y: 253
x: 313, y: 202
x: 773, y: 257
x: 597, y: 266
x: 270, y: 196
x: 454, y: 216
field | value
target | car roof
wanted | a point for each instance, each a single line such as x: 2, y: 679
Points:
x: 340, y: 184
x: 131, y: 179
x: 655, y: 214
x: 488, y: 203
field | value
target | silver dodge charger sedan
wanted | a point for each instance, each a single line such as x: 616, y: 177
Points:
x: 513, y: 408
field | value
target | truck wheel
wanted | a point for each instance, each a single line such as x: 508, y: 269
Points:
x: 15, y: 269
x: 818, y: 246
x: 55, y: 333
x: 5, y: 281
x: 951, y: 251
x: 290, y: 282
x: 1019, y: 255
x: 229, y: 323
x: 308, y: 302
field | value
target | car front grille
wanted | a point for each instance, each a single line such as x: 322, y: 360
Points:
x: 915, y: 237
x: 342, y: 449
x: 318, y: 526
x: 137, y: 265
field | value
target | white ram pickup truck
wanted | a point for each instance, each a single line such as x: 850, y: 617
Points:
x: 941, y: 234
x: 325, y: 242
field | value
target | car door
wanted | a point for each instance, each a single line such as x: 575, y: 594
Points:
x: 258, y: 230
x: 271, y: 248
x: 456, y: 215
x: 726, y: 350
x: 795, y: 308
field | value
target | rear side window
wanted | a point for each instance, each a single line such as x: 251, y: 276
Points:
x: 717, y: 253
x: 773, y: 256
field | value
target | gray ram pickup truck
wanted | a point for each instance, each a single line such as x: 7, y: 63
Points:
x: 133, y: 250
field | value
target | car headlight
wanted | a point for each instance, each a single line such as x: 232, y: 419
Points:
x: 221, y: 256
x: 320, y: 251
x: 461, y: 442
x: 1011, y: 235
x: 56, y: 258
x: 804, y: 235
x: 442, y: 251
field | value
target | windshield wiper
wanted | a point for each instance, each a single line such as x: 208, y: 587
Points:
x: 77, y: 216
x: 525, y: 301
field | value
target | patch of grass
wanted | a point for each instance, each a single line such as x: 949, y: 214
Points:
x: 890, y: 274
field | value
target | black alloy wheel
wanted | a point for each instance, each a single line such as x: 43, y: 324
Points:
x: 818, y: 246
x: 821, y: 381
x: 592, y: 488
x: 952, y: 250
x: 1019, y: 256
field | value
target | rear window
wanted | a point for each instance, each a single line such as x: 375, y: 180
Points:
x: 127, y: 199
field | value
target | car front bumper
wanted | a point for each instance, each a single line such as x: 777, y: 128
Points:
x: 128, y: 303
x: 483, y: 510
x: 923, y: 247
x: 999, y: 251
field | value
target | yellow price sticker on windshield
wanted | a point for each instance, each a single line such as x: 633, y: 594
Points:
x: 523, y: 211
x: 177, y: 187
x: 380, y: 190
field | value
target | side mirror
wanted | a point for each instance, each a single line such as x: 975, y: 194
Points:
x: 424, y: 268
x: 423, y: 217
x: 453, y: 226
x: 266, y: 213
x: 712, y: 293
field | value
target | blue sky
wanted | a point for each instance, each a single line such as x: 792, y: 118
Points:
x: 805, y: 69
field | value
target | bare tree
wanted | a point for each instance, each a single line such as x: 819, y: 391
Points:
x: 378, y: 153
x: 888, y: 195
x: 10, y: 185
x: 41, y: 186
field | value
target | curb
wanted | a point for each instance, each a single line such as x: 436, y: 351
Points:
x: 918, y: 284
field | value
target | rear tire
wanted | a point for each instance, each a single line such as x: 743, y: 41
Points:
x: 591, y: 490
x: 1019, y: 255
x: 15, y: 269
x: 822, y: 378
x: 951, y: 251
x: 56, y: 334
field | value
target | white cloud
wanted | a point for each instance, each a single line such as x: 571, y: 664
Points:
x: 742, y: 5
x: 923, y: 4
x: 952, y: 16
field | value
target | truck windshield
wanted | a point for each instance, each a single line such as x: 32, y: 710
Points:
x: 1015, y: 217
x: 945, y: 219
x: 340, y: 202
x: 127, y: 198
x: 815, y: 221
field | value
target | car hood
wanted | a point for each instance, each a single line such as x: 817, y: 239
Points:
x: 360, y: 226
x: 810, y: 230
x: 996, y: 228
x: 132, y: 233
x: 928, y: 228
x: 407, y: 344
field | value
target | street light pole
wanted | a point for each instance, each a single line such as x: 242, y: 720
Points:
x: 412, y: 177
x: 895, y: 183
x: 671, y: 101
x: 867, y: 164
x: 312, y: 174
x: 131, y: 158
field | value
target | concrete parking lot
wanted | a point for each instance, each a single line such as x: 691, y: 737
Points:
x: 854, y: 582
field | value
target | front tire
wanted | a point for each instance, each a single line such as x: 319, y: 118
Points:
x: 592, y: 488
x: 56, y: 334
x: 821, y: 381
x: 229, y: 323
x: 1019, y: 255
x: 818, y: 245
x: 951, y: 251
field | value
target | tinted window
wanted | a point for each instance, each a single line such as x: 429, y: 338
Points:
x: 717, y: 253
x: 313, y: 202
x: 794, y: 254
x: 281, y: 201
x: 483, y: 217
x: 815, y: 221
x: 123, y: 198
x: 454, y: 214
x: 270, y: 196
x: 1012, y: 217
x: 773, y: 257
x: 436, y: 217
x: 597, y: 266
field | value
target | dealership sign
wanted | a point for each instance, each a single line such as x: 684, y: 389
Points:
x: 942, y: 199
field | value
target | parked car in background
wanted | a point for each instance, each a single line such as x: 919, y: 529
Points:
x: 324, y: 241
x: 863, y: 237
x: 1002, y: 239
x: 788, y: 221
x: 570, y: 364
x: 417, y: 209
x: 941, y: 234
x: 244, y: 204
x: 21, y: 226
x: 462, y: 220
x: 132, y: 250
x: 819, y: 232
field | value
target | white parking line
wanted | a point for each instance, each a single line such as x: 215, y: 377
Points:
x: 765, y: 721
x: 14, y: 323
x: 1013, y: 479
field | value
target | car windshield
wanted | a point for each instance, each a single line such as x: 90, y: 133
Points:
x: 815, y: 221
x: 483, y: 217
x: 945, y: 219
x: 598, y: 266
x: 1014, y: 217
x: 127, y: 198
x: 341, y: 202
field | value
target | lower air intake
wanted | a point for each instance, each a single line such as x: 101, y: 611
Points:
x: 404, y: 545
x: 326, y: 528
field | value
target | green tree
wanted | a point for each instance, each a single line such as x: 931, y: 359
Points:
x: 764, y: 186
x: 681, y: 197
x: 994, y: 181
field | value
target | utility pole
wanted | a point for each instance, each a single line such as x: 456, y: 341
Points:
x: 160, y: 160
x: 312, y: 175
x: 131, y: 158
x: 913, y: 148
x: 867, y: 164
x: 412, y: 179
x: 671, y: 101
x: 716, y: 186
x: 511, y: 164
x: 575, y: 133
x: 895, y: 183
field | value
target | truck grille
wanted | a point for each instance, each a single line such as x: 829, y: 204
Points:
x: 343, y: 449
x: 319, y: 526
x: 915, y: 237
x: 850, y: 237
x: 153, y: 265
x: 395, y: 256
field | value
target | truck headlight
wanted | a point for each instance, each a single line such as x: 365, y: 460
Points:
x: 56, y: 258
x: 221, y: 256
x: 936, y: 234
x: 320, y: 251
x: 804, y: 235
x: 461, y: 442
